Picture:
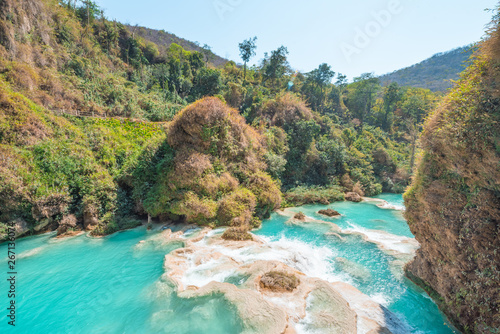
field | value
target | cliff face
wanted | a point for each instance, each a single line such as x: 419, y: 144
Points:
x: 453, y: 205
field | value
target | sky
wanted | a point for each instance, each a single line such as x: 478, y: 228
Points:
x: 353, y: 37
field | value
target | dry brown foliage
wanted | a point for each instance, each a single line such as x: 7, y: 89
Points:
x: 237, y: 234
x: 358, y: 189
x: 286, y: 108
x: 279, y: 281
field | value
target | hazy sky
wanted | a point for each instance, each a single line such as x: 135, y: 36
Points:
x: 353, y: 36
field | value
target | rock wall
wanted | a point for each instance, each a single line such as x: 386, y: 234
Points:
x: 453, y: 205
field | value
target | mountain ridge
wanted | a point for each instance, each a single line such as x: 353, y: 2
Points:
x: 435, y: 73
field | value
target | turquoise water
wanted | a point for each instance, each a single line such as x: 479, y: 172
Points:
x: 108, y: 285
x: 414, y: 308
x: 87, y: 285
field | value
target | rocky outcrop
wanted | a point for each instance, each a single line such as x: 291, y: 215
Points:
x: 300, y: 216
x: 353, y: 197
x: 453, y: 205
x: 329, y: 213
x: 67, y: 223
x: 207, y: 264
x: 21, y: 227
x: 90, y: 216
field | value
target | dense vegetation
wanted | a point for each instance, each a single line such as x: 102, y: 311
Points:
x: 436, y: 73
x: 221, y: 160
x: 453, y: 204
x: 164, y: 40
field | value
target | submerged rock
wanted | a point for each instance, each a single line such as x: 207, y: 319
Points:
x: 354, y: 269
x: 329, y: 213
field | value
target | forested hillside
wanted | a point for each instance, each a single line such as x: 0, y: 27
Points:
x: 435, y: 73
x: 253, y: 132
x: 165, y: 39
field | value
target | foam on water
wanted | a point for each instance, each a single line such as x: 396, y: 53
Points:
x: 386, y: 240
x: 117, y: 284
x: 202, y: 274
x: 371, y: 237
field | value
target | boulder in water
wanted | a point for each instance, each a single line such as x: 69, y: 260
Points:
x: 300, y: 216
x: 329, y: 213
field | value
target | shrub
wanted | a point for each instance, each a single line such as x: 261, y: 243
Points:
x: 279, y: 281
x: 197, y: 210
x: 237, y: 234
x: 286, y: 108
x: 236, y: 208
x: 267, y: 192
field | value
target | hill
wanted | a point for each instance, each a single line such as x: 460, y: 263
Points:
x: 165, y: 39
x: 254, y: 137
x: 434, y: 73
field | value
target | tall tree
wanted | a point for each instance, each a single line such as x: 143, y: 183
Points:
x: 321, y: 78
x: 362, y: 96
x: 247, y: 51
x: 416, y: 105
x: 277, y: 65
x: 392, y: 96
x: 207, y: 52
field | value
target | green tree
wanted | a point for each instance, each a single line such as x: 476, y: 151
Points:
x: 362, y: 96
x: 320, y: 78
x: 416, y: 105
x: 207, y: 52
x: 247, y: 51
x: 392, y: 96
x: 276, y: 65
x: 207, y: 83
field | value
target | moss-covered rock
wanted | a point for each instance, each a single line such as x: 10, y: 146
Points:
x: 279, y: 281
x: 236, y: 234
x: 329, y: 213
x: 299, y: 216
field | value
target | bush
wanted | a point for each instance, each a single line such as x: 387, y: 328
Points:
x: 236, y: 234
x: 197, y: 210
x: 279, y: 281
x: 236, y: 208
